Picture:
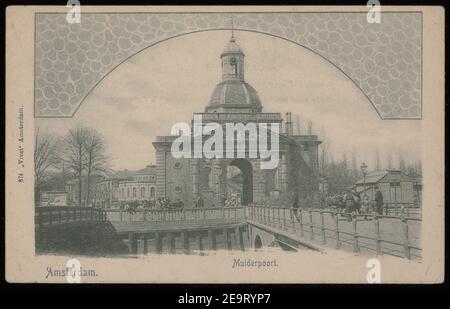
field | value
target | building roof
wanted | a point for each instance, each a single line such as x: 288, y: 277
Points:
x: 373, y: 177
x: 235, y: 94
x: 232, y: 47
x: 385, y: 176
x: 148, y: 170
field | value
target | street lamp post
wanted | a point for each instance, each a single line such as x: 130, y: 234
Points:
x: 364, y: 171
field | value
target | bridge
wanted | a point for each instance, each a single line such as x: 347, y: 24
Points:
x: 194, y: 231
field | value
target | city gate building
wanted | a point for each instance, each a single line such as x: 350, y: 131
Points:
x: 235, y: 101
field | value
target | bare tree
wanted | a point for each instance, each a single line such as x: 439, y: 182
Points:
x: 354, y: 165
x: 96, y: 160
x: 74, y: 154
x: 389, y: 159
x: 43, y: 158
x: 401, y: 161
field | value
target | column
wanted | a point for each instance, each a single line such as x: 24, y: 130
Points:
x: 195, y: 177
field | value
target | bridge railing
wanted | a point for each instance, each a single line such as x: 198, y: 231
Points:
x: 379, y: 234
x: 158, y: 215
x: 402, y: 208
x: 58, y: 215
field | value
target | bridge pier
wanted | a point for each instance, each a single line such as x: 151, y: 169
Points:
x: 172, y: 238
x: 144, y: 244
x: 241, y: 238
x: 200, y: 243
x: 185, y: 238
x: 158, y: 242
x: 132, y: 243
x: 212, y: 235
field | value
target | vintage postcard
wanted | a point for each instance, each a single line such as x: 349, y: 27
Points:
x: 224, y: 144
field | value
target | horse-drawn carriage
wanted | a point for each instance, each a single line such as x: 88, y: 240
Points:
x: 166, y: 204
x: 349, y: 203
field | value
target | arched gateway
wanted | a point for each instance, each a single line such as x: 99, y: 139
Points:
x: 240, y: 172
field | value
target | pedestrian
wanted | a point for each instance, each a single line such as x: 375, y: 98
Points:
x: 378, y: 201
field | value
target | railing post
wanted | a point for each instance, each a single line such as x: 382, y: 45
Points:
x: 311, y: 226
x: 355, y: 233
x: 300, y: 218
x: 376, y: 223
x: 336, y: 227
x: 280, y: 226
x: 406, y: 247
x: 292, y: 214
x: 322, y: 227
x: 272, y: 216
x: 284, y: 219
x: 144, y: 215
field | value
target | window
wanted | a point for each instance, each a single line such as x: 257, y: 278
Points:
x: 152, y: 192
x: 134, y: 192
x: 178, y: 189
x: 142, y: 192
x: 178, y: 165
x: 128, y: 192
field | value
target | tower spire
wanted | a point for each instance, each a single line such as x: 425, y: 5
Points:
x: 232, y: 27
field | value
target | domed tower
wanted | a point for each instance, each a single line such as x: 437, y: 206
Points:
x: 233, y: 94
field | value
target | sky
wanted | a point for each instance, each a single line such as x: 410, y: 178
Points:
x: 164, y: 84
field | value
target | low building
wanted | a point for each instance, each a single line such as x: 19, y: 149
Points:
x: 396, y: 186
x: 126, y: 186
x: 142, y: 187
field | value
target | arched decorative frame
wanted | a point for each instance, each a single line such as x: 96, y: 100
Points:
x: 383, y: 60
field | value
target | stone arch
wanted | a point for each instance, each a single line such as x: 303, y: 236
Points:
x: 246, y: 169
x: 258, y: 243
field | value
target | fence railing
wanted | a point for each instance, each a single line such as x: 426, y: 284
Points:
x: 58, y: 215
x: 379, y: 234
x: 400, y: 208
x: 183, y: 214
